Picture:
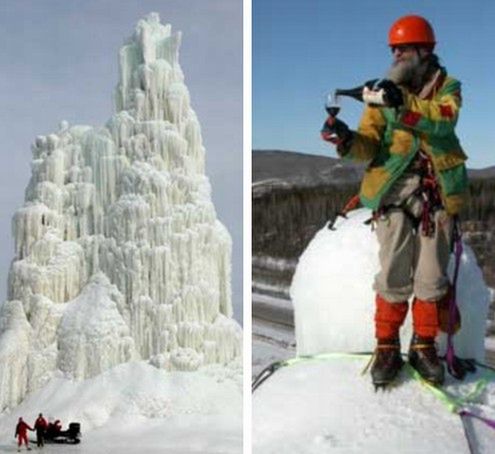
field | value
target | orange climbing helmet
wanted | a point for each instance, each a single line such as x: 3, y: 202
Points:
x: 411, y: 30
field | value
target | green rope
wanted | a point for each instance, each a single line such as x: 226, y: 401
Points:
x: 453, y: 403
x: 323, y: 357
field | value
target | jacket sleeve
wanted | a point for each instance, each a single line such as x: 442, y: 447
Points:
x: 436, y: 117
x: 366, y: 140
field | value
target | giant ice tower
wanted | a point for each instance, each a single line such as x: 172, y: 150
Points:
x: 119, y: 255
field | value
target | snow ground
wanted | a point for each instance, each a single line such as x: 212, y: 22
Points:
x: 328, y: 406
x: 135, y: 408
x: 320, y: 407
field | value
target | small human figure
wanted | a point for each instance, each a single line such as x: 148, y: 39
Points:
x: 40, y: 426
x: 57, y: 425
x: 21, y: 434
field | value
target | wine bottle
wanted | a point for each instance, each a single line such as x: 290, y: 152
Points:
x: 365, y: 93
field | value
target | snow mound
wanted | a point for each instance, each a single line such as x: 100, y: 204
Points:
x: 136, y: 396
x: 328, y: 406
x: 334, y: 301
x: 93, y: 335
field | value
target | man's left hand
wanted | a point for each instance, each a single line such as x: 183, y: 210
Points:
x: 391, y: 92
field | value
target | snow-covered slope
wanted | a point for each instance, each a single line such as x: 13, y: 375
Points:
x: 119, y: 254
x: 328, y: 406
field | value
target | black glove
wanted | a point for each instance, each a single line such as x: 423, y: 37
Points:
x: 371, y: 84
x: 335, y: 131
x: 392, y: 93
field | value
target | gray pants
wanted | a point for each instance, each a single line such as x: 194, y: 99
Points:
x: 411, y: 263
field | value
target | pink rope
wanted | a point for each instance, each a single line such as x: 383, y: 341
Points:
x: 450, y: 355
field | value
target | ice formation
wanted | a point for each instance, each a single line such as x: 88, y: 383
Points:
x: 118, y: 251
x: 328, y: 405
x: 334, y: 302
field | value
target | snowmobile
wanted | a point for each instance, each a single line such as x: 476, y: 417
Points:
x: 70, y: 436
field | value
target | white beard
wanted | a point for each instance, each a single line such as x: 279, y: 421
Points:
x: 408, y: 72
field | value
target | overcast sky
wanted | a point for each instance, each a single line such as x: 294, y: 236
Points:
x: 303, y: 50
x: 60, y: 62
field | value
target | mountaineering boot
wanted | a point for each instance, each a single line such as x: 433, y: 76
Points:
x: 387, y: 362
x: 423, y: 357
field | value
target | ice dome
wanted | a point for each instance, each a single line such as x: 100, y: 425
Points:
x: 334, y: 302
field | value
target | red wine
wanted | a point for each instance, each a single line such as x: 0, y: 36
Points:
x: 333, y: 111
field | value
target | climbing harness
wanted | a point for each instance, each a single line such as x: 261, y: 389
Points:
x: 429, y: 192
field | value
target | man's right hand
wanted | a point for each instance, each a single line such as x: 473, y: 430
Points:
x: 335, y: 131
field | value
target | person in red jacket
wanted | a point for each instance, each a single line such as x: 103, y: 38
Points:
x: 21, y: 434
x: 40, y: 426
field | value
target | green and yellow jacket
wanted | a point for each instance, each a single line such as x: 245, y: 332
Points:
x: 390, y: 139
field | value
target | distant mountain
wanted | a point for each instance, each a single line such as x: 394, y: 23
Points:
x: 279, y: 168
x: 487, y: 172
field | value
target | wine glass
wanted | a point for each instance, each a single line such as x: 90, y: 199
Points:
x: 332, y: 104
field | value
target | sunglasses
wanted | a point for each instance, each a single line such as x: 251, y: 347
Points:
x: 402, y: 48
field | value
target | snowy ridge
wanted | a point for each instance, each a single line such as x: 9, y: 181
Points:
x: 118, y: 252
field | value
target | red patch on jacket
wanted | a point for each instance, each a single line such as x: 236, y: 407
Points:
x: 410, y: 118
x: 446, y: 111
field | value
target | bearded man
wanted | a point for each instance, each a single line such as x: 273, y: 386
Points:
x: 415, y: 185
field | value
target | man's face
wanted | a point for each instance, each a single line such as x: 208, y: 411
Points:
x: 404, y: 52
x: 407, y: 63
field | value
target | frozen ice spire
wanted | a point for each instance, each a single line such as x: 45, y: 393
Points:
x: 118, y: 251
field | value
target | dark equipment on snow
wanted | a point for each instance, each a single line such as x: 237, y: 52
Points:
x: 70, y: 436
